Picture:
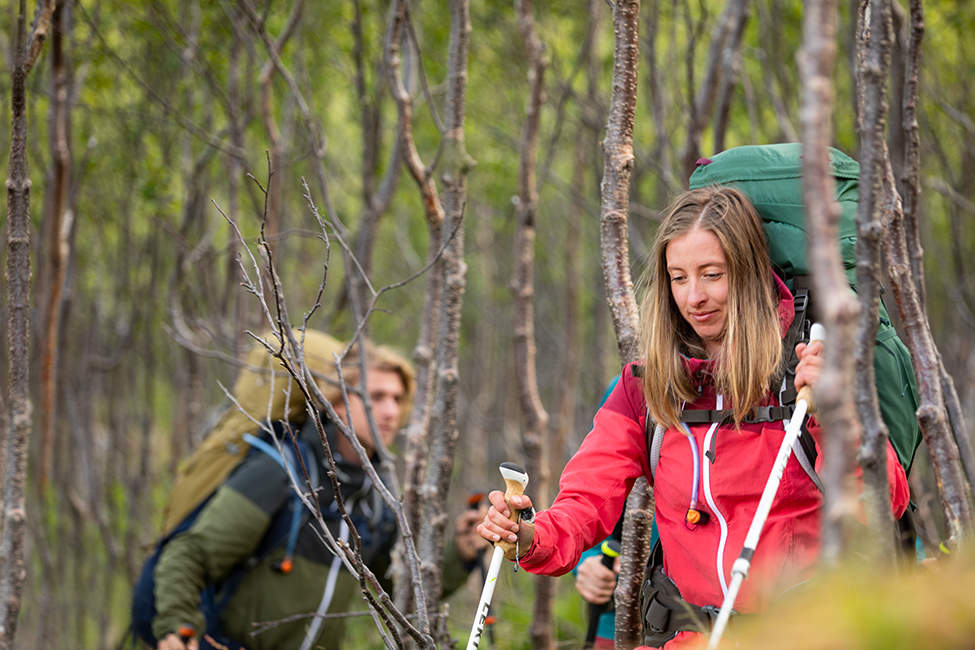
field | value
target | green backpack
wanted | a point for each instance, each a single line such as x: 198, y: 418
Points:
x: 771, y: 177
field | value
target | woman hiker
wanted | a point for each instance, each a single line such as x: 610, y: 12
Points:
x: 713, y: 319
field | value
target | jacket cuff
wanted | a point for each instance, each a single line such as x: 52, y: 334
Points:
x: 535, y: 555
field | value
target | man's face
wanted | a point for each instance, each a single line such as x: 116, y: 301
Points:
x: 386, y: 392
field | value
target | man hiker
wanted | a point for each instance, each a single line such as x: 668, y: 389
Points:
x: 292, y: 581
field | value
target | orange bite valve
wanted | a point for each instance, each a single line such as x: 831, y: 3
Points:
x: 286, y: 565
x: 186, y: 632
x: 695, y: 516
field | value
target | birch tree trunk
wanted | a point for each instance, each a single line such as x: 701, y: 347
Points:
x: 838, y: 305
x: 533, y: 413
x: 17, y: 434
x: 932, y: 414
x: 443, y: 421
x: 275, y: 200
x: 942, y: 440
x: 617, y: 168
x: 59, y: 228
x: 873, y: 61
x: 911, y: 183
x: 417, y: 429
x: 725, y: 43
x: 432, y: 430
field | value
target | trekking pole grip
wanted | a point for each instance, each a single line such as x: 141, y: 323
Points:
x: 816, y: 333
x: 515, y: 480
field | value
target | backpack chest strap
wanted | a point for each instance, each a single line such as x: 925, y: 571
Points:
x: 758, y: 414
x: 804, y: 449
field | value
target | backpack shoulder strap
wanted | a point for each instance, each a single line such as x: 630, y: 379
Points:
x: 267, y: 448
x: 654, y: 434
x: 289, y: 462
x: 804, y: 449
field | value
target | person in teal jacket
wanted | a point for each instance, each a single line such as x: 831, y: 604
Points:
x: 596, y: 583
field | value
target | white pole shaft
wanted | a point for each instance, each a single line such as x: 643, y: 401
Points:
x: 740, y: 568
x: 484, y: 606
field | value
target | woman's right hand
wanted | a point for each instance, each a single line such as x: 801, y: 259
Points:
x: 497, y: 526
x: 812, y: 358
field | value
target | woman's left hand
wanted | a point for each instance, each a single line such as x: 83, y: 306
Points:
x: 811, y: 361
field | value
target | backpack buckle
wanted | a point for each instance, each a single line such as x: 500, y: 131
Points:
x: 800, y: 302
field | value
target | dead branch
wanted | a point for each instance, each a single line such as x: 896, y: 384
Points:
x: 288, y: 349
x: 873, y: 44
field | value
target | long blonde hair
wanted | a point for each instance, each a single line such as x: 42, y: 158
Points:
x: 751, y: 348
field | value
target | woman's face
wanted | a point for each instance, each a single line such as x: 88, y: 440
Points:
x: 698, y: 273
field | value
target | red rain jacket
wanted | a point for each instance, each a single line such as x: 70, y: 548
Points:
x: 598, y: 478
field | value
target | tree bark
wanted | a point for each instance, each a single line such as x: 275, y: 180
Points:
x: 911, y: 184
x: 534, y: 417
x: 911, y: 178
x: 873, y: 61
x: 59, y: 229
x: 944, y: 436
x: 443, y: 421
x: 614, y: 190
x: 617, y: 168
x: 417, y: 429
x: 18, y: 431
x: 928, y: 369
x: 838, y: 305
x: 726, y: 32
x: 432, y: 431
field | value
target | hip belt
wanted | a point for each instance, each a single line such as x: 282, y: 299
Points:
x: 665, y: 612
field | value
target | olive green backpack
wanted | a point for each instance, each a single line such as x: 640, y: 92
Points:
x: 771, y: 177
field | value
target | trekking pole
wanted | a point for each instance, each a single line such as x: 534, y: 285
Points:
x: 474, y: 503
x: 515, y: 480
x: 740, y: 568
x: 611, y: 550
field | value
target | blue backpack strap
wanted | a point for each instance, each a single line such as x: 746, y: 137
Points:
x: 298, y: 511
x: 267, y: 448
x: 289, y: 463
